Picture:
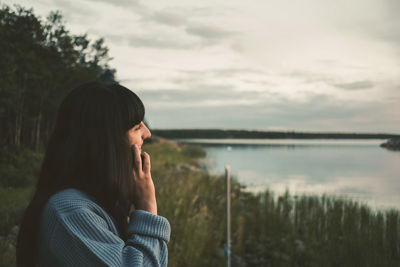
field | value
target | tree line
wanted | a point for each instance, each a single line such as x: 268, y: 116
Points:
x: 221, y: 134
x: 41, y: 61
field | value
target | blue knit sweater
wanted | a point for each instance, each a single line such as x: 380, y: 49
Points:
x: 75, y: 231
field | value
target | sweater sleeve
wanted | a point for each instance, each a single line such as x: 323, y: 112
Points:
x: 82, y: 238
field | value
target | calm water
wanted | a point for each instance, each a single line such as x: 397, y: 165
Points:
x: 358, y: 169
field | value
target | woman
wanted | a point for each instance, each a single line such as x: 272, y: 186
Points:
x: 92, y: 173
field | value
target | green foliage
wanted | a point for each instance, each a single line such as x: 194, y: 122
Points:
x: 41, y: 62
x: 19, y: 168
x: 318, y: 231
x: 190, y: 199
x: 193, y: 151
x: 267, y: 230
x: 13, y: 201
x: 7, y: 253
x: 171, y: 154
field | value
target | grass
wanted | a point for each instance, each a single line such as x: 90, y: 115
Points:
x: 13, y: 202
x: 267, y: 230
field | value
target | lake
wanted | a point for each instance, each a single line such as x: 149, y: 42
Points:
x: 356, y: 169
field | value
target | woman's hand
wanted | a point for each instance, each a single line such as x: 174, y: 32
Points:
x: 144, y: 191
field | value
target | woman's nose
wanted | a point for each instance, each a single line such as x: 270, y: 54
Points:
x: 147, y: 133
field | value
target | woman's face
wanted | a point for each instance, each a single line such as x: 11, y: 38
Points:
x: 137, y: 134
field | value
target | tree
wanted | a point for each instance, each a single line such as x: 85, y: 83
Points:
x: 41, y: 61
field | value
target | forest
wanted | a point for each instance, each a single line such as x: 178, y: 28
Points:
x: 41, y: 62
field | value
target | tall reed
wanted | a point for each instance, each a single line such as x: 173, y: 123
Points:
x: 267, y: 230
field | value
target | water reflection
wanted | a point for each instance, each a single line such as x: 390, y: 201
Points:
x: 360, y: 170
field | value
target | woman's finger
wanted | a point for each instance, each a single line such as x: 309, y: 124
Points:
x: 137, y: 160
x: 146, y: 162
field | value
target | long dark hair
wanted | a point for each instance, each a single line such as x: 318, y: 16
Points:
x: 89, y: 151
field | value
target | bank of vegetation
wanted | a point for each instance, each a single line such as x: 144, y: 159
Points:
x: 267, y: 229
x: 41, y: 61
x: 248, y: 134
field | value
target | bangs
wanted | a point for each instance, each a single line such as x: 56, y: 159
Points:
x: 131, y: 107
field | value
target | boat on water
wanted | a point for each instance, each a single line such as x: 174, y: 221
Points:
x: 392, y: 144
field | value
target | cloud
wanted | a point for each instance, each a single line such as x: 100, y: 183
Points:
x: 121, y: 3
x: 215, y: 82
x: 381, y: 24
x: 159, y: 41
x: 73, y: 11
x: 344, y: 51
x: 331, y: 80
x: 260, y: 110
x: 358, y: 85
x: 221, y: 72
x: 168, y: 18
x: 389, y: 28
x: 307, y: 76
x: 177, y: 19
x: 201, y: 95
x: 167, y: 29
x: 209, y: 32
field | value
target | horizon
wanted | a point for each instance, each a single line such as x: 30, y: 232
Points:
x: 285, y: 131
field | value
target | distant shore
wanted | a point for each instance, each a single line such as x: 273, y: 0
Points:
x: 244, y: 134
x: 283, y: 142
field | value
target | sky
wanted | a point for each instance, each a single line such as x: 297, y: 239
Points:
x: 307, y: 65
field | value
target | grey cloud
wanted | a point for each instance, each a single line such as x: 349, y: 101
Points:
x: 202, y: 12
x: 122, y: 3
x: 168, y: 18
x: 329, y: 62
x: 209, y: 32
x: 234, y: 71
x: 84, y: 13
x: 178, y: 15
x: 160, y: 42
x: 238, y: 47
x: 392, y: 99
x: 158, y: 39
x: 385, y: 26
x: 209, y: 35
x: 389, y: 29
x: 258, y: 82
x: 134, y: 6
x: 200, y: 94
x: 390, y: 34
x: 187, y: 81
x: 321, y: 109
x: 358, y: 85
x: 217, y: 97
x: 320, y: 112
x: 307, y: 76
x: 222, y: 72
x: 199, y: 78
x: 312, y: 77
x: 118, y: 39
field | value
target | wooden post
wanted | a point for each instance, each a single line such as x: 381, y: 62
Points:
x: 228, y: 214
